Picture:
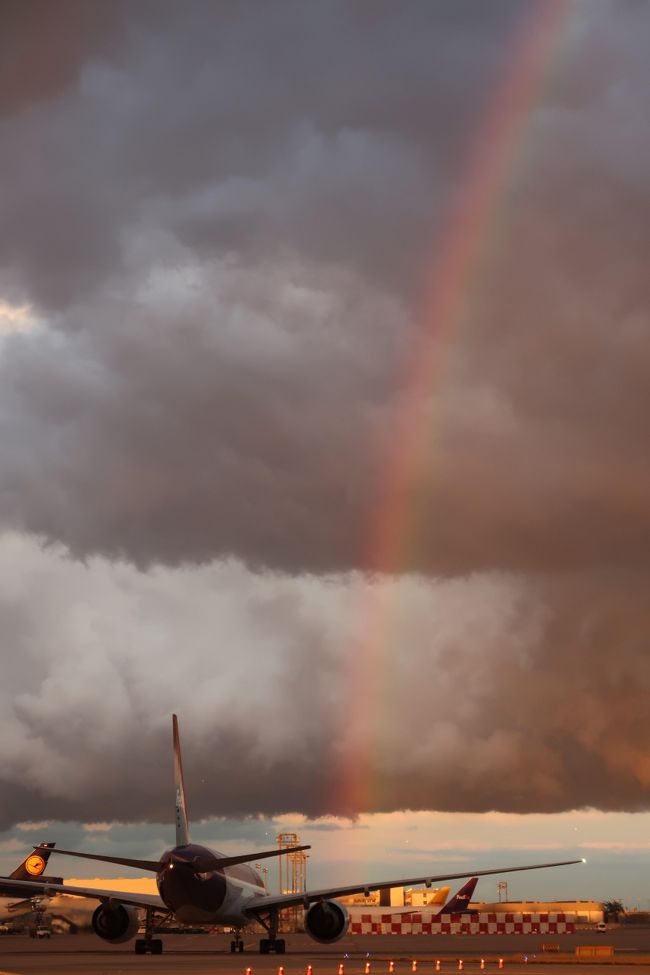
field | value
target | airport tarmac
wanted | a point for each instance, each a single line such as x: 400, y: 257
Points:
x: 202, y: 954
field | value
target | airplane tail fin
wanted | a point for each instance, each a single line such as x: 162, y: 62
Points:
x: 439, y: 897
x: 34, y: 864
x: 460, y: 902
x: 182, y: 827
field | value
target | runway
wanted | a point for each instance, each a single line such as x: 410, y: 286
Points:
x: 202, y: 954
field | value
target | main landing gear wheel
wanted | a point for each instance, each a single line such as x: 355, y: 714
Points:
x: 236, y: 945
x: 148, y: 946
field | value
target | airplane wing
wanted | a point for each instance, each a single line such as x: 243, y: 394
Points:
x: 31, y: 888
x: 280, y: 901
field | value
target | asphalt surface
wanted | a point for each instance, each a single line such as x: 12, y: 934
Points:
x: 198, y: 954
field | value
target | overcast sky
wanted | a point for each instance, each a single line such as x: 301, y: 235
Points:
x: 324, y: 399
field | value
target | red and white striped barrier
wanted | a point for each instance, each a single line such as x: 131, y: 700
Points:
x: 421, y: 923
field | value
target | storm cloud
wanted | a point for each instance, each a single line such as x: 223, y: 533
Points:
x: 224, y: 230
x: 489, y: 692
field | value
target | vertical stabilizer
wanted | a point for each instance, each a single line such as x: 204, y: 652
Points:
x: 34, y: 864
x: 439, y: 897
x: 182, y: 828
x: 460, y: 903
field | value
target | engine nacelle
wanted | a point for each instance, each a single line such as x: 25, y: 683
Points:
x: 116, y: 923
x: 326, y: 921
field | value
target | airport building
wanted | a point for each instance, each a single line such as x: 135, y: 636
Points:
x: 369, y: 916
x: 583, y: 912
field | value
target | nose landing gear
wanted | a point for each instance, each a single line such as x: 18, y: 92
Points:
x: 236, y: 944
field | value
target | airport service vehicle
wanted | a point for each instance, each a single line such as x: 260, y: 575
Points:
x: 197, y: 885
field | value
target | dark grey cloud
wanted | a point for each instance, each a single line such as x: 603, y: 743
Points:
x: 228, y: 219
x: 275, y: 122
x: 489, y: 692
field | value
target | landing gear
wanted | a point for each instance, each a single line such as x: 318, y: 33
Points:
x: 278, y: 945
x: 148, y: 945
x: 272, y: 943
x: 237, y: 944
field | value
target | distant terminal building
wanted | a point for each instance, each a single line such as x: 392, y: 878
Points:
x: 399, y: 897
x: 583, y: 912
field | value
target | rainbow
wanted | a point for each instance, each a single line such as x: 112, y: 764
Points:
x: 473, y: 226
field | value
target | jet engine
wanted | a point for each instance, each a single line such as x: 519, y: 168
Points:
x: 326, y: 921
x: 116, y: 922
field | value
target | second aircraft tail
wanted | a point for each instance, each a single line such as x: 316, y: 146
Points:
x: 34, y: 864
x: 459, y: 904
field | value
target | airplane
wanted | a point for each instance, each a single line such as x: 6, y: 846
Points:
x: 197, y: 885
x: 32, y: 866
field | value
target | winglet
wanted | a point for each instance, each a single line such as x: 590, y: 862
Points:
x: 182, y: 828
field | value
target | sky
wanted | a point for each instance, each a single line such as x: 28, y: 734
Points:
x: 324, y: 355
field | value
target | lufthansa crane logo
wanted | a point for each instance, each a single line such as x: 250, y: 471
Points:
x: 35, y: 865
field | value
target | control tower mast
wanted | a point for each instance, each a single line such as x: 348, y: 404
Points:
x: 292, y: 871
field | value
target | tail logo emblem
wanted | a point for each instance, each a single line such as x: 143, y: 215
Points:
x: 35, y: 865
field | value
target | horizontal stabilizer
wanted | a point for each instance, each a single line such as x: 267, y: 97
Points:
x: 153, y: 865
x: 202, y: 864
x: 210, y: 861
x: 26, y: 905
